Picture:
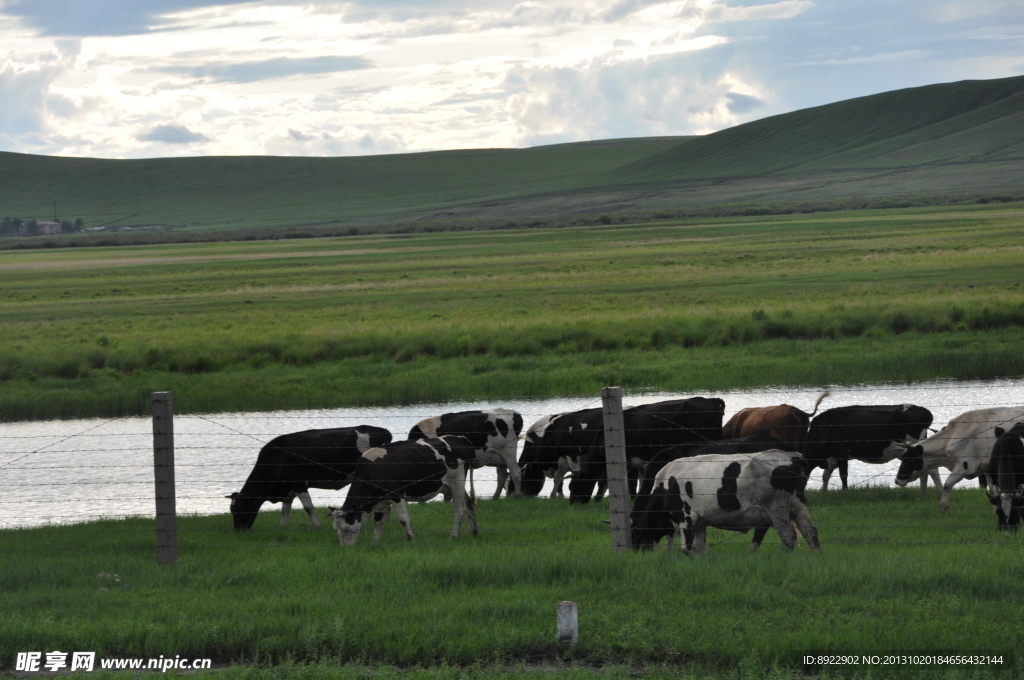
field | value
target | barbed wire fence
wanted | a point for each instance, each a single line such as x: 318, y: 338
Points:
x: 63, y: 474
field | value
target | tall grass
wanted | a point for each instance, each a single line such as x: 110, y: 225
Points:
x: 781, y: 300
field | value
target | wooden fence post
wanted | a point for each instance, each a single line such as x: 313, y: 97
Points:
x: 615, y: 461
x: 163, y: 472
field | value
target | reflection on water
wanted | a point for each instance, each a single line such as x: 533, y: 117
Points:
x: 63, y: 471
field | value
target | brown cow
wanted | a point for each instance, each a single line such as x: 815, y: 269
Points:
x: 784, y: 422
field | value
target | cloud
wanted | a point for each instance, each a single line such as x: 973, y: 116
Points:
x: 172, y: 134
x: 742, y: 103
x: 349, y: 141
x: 101, y: 17
x: 686, y: 93
x: 25, y: 87
x: 268, y: 69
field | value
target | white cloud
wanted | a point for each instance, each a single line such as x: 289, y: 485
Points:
x: 172, y: 134
x: 313, y: 77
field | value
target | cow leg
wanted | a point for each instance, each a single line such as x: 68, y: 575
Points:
x: 759, y: 534
x: 947, y: 487
x: 508, y: 454
x: 826, y: 473
x: 460, y: 507
x: 402, y: 510
x: 798, y: 513
x: 556, y: 490
x: 307, y: 504
x: 502, y: 473
x: 844, y: 469
x: 286, y: 510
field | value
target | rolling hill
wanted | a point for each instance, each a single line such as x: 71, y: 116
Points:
x: 964, y: 138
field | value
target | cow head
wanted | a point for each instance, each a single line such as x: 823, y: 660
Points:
x: 655, y: 521
x: 347, y: 524
x: 243, y: 510
x: 911, y: 464
x: 897, y: 448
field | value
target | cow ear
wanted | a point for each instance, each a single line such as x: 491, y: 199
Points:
x: 1000, y: 431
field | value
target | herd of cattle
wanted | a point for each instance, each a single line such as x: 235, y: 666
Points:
x: 692, y: 471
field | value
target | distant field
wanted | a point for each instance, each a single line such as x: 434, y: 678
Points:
x: 693, y: 306
x: 950, y: 143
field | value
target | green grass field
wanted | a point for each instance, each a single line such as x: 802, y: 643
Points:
x: 894, y: 576
x: 894, y: 295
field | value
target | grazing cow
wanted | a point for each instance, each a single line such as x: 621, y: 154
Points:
x: 738, y: 492
x: 648, y: 429
x: 754, y: 444
x: 407, y: 471
x: 868, y: 433
x: 494, y: 434
x: 553, y: 446
x: 292, y: 464
x: 1006, y: 472
x: 786, y: 423
x: 964, y: 446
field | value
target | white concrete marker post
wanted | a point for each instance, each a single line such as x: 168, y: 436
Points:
x: 568, y: 624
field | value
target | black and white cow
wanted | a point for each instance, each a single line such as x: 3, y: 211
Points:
x: 554, y: 445
x: 292, y: 464
x: 1006, y: 476
x: 872, y: 434
x: 737, y: 492
x: 493, y: 433
x: 963, y: 446
x: 648, y: 429
x: 414, y: 470
x: 753, y: 444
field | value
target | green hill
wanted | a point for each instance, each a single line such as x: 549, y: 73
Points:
x: 963, y: 138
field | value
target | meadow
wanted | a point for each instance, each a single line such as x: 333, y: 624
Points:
x: 694, y: 305
x: 893, y: 576
x: 953, y: 142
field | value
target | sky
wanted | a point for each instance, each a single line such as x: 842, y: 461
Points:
x: 161, y: 78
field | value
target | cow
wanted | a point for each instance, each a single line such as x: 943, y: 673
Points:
x: 494, y: 434
x: 964, y: 446
x: 737, y: 492
x: 648, y: 429
x: 292, y: 464
x: 786, y: 423
x: 553, y: 446
x: 754, y: 444
x: 414, y: 470
x: 1006, y: 475
x: 868, y: 433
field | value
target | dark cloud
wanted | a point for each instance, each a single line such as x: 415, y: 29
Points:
x: 280, y: 67
x: 742, y: 103
x: 100, y: 17
x: 172, y: 134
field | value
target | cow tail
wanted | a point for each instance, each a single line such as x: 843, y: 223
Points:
x: 472, y: 491
x: 824, y: 394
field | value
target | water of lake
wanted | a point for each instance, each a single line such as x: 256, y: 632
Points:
x: 66, y: 471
